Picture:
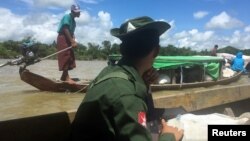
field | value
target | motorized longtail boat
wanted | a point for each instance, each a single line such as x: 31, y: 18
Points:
x: 38, y: 81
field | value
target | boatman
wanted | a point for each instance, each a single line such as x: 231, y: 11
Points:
x: 214, y: 50
x: 115, y: 106
x: 65, y: 39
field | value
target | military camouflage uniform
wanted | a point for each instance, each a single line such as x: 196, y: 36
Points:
x: 114, y: 108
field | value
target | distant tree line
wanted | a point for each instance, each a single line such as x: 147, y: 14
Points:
x: 11, y: 49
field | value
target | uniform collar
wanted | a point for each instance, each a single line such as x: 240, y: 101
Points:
x: 130, y: 68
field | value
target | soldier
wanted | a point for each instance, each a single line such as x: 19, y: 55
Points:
x: 115, y: 105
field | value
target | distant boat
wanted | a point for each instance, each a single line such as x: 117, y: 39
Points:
x: 208, y: 65
x: 222, y: 81
x: 192, y: 92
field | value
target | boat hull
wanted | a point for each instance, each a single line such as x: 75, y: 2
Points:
x: 224, y: 81
x: 45, y: 84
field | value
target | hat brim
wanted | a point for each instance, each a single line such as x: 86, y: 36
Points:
x: 159, y: 26
x: 77, y: 11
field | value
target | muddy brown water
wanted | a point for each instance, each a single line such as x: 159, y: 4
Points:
x: 19, y: 99
x: 10, y: 81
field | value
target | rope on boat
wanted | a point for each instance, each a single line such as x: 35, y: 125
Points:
x: 28, y: 62
x: 56, y: 53
x: 7, y: 63
x: 81, y: 89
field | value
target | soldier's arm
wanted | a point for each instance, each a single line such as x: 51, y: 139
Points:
x: 130, y: 120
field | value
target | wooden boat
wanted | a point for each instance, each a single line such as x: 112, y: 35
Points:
x: 209, y: 65
x: 45, y: 84
x: 222, y: 81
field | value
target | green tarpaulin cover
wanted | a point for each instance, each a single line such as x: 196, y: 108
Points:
x: 211, y: 64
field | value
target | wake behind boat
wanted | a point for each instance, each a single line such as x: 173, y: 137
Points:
x: 46, y: 84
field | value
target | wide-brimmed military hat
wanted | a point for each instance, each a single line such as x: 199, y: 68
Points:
x: 138, y: 24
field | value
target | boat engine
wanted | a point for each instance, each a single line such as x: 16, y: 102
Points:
x: 29, y: 53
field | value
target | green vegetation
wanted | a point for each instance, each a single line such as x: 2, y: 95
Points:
x: 10, y: 49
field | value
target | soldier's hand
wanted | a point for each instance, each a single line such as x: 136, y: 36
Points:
x: 178, y: 133
x: 73, y: 44
x: 150, y: 76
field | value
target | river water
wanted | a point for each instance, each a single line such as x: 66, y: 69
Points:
x: 10, y: 81
x: 19, y: 99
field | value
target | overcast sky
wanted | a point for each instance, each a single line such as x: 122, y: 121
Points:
x: 198, y: 24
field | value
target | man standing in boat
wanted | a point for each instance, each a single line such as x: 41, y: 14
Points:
x: 214, y: 50
x: 66, y: 39
x: 115, y: 107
